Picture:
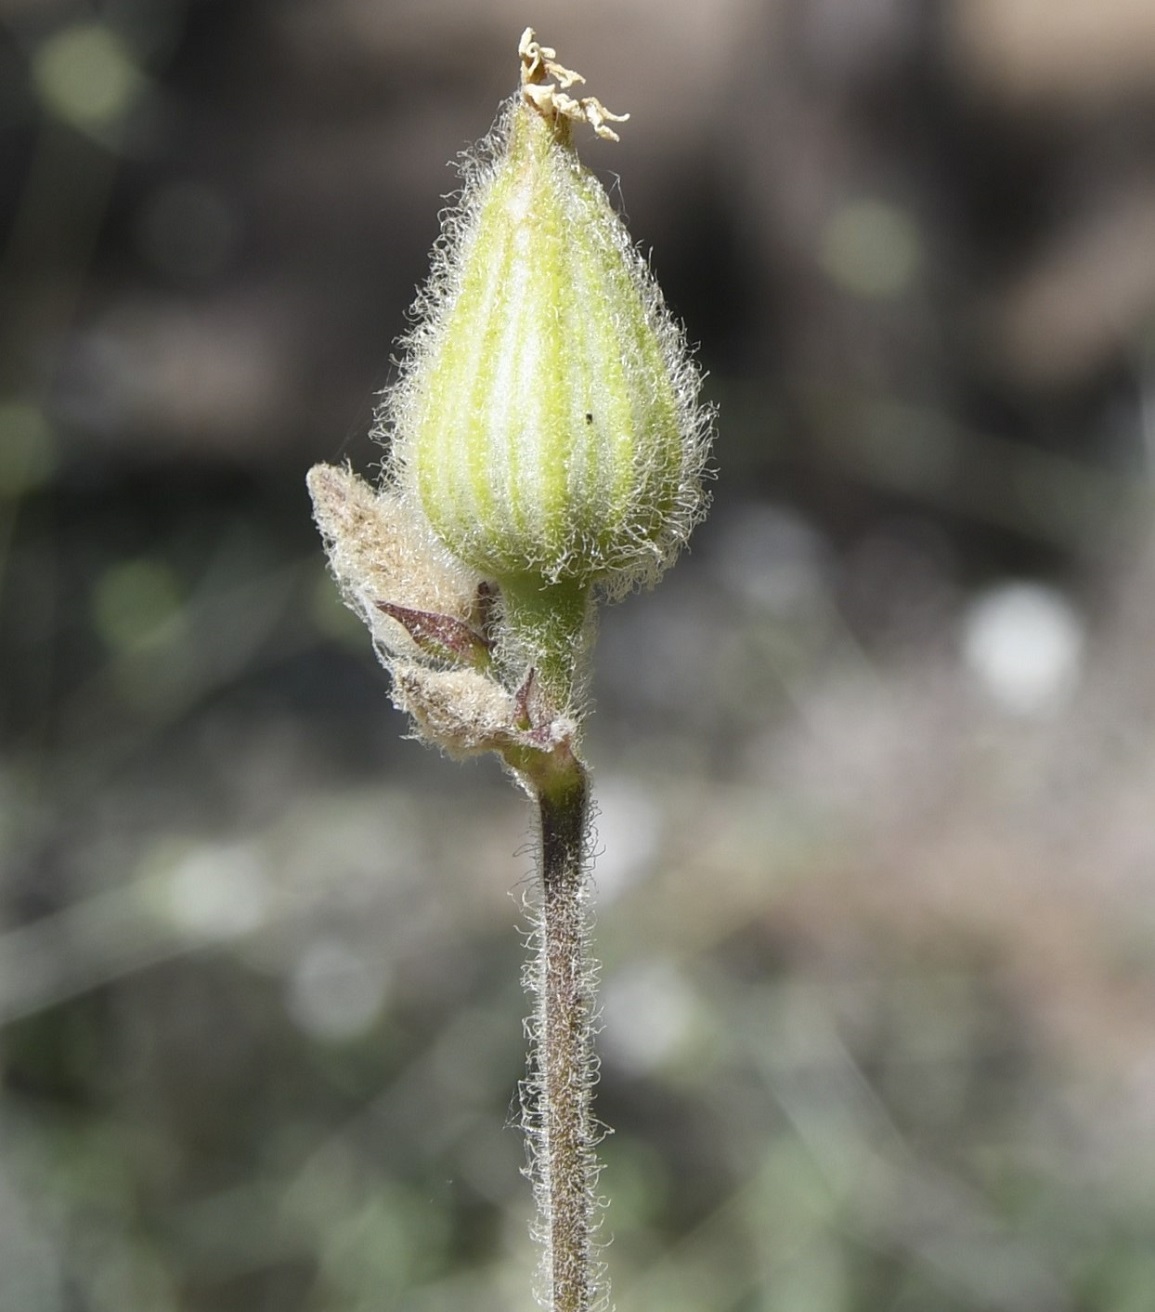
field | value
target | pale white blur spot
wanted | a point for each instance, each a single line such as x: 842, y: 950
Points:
x: 773, y: 558
x: 335, y: 991
x: 649, y: 1012
x: 871, y: 249
x: 218, y: 891
x: 1024, y: 643
x: 628, y: 832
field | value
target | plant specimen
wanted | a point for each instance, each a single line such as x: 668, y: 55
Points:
x: 546, y: 451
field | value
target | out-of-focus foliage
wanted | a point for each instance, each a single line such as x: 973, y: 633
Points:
x: 876, y: 763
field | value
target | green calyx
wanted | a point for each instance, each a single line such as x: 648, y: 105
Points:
x: 547, y: 422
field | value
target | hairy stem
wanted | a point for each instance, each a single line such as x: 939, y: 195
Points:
x: 560, y: 1119
x: 549, y: 628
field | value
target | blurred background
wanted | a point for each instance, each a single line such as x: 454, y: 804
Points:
x: 876, y: 763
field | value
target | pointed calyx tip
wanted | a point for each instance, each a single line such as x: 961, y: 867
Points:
x: 539, y: 65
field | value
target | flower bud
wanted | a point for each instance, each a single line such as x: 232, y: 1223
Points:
x: 547, y: 418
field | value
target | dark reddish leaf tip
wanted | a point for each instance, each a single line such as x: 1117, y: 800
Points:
x: 440, y: 636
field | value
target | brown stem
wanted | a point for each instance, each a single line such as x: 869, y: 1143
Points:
x: 561, y: 1123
